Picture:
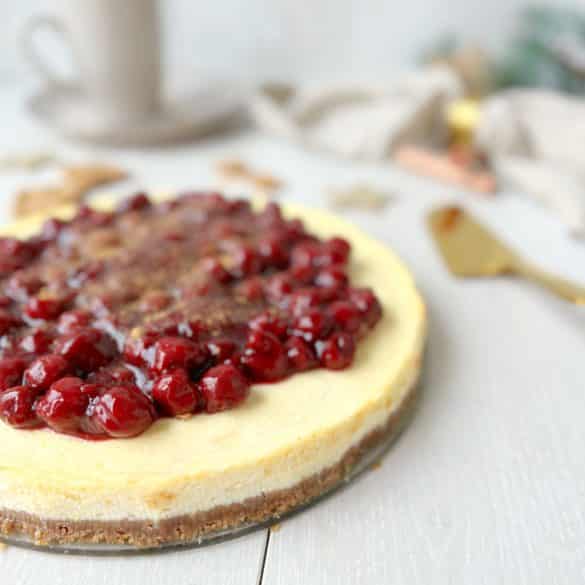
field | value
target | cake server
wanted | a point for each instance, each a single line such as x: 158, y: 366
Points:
x: 470, y: 250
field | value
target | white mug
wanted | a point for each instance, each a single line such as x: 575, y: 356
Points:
x: 115, y: 47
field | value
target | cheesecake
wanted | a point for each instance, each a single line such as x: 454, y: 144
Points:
x: 173, y: 371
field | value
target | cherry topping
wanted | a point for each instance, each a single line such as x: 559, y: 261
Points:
x: 17, y: 407
x: 176, y: 352
x: 273, y: 252
x: 332, y: 277
x: 367, y: 303
x: 140, y: 350
x: 246, y: 262
x: 280, y: 285
x: 87, y: 349
x: 305, y: 298
x: 11, y: 370
x: 7, y: 321
x: 312, y: 325
x: 21, y: 286
x: 346, y: 316
x: 270, y: 322
x: 64, y: 405
x: 220, y: 349
x: 300, y: 355
x: 52, y: 228
x: 137, y: 202
x: 337, y: 251
x: 45, y: 370
x: 122, y: 411
x: 252, y: 289
x: 118, y: 375
x: 175, y: 394
x: 37, y: 342
x: 74, y: 319
x: 264, y: 356
x: 46, y: 309
x: 336, y: 353
x: 223, y: 387
x: 216, y: 270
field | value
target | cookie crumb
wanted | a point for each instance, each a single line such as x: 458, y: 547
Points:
x: 360, y: 196
x: 232, y: 168
x: 77, y: 181
x: 276, y: 527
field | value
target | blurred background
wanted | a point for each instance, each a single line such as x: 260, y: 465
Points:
x: 292, y: 40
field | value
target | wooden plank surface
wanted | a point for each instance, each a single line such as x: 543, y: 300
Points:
x: 235, y: 562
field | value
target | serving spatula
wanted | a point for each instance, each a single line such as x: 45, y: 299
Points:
x: 470, y: 250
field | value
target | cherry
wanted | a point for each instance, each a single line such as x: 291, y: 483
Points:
x: 8, y: 321
x: 37, y: 342
x: 11, y: 369
x: 332, y: 277
x: 367, y: 303
x: 345, y: 315
x: 17, y: 407
x: 312, y: 325
x: 18, y: 251
x: 264, y: 356
x: 271, y: 214
x: 21, y: 286
x: 45, y: 370
x: 175, y: 394
x: 268, y: 321
x: 300, y: 355
x: 306, y: 255
x: 246, y: 262
x: 252, y: 289
x: 122, y: 411
x: 305, y: 298
x: 337, y: 251
x: 137, y: 202
x: 223, y: 387
x: 294, y: 230
x: 87, y: 349
x: 220, y: 349
x: 117, y: 375
x: 94, y: 217
x: 273, y: 252
x: 216, y: 271
x: 52, y: 228
x: 176, y: 352
x: 75, y: 319
x: 280, y: 285
x: 336, y: 353
x: 64, y: 405
x: 46, y: 308
x: 139, y: 351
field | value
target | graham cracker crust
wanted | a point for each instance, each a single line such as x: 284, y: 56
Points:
x: 202, y: 525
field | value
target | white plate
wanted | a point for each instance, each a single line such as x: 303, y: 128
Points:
x: 67, y: 111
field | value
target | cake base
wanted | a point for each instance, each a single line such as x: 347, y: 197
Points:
x: 220, y: 523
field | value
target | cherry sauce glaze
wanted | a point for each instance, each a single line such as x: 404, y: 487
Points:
x: 115, y: 319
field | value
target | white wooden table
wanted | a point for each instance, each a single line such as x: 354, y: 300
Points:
x: 486, y: 486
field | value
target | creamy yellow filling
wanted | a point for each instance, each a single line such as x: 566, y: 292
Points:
x: 282, y: 434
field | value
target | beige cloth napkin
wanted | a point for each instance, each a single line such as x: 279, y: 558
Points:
x: 359, y: 120
x: 536, y: 143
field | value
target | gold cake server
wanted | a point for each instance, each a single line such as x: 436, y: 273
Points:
x: 469, y: 249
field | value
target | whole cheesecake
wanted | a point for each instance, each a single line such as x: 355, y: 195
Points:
x: 172, y: 371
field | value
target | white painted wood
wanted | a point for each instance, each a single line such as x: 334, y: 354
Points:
x: 486, y: 486
x: 236, y: 562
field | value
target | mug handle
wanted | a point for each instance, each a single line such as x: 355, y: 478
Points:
x: 32, y: 54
